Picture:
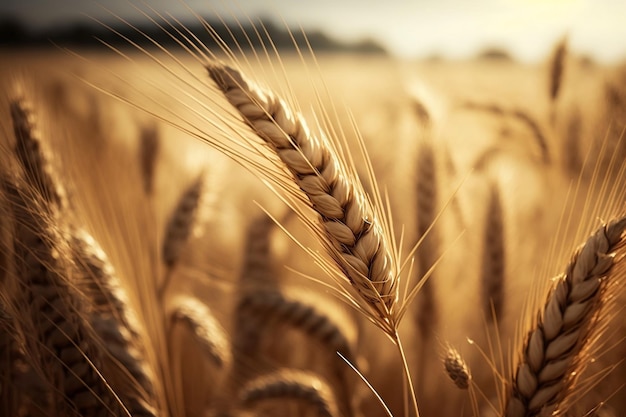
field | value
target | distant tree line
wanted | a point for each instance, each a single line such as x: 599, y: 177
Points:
x: 13, y: 33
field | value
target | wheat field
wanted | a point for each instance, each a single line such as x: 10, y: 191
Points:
x: 215, y: 233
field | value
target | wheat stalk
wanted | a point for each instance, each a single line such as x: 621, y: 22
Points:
x: 355, y: 237
x: 550, y: 356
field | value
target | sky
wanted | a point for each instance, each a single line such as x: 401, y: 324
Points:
x: 408, y: 28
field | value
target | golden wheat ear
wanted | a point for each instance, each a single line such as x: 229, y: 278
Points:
x: 21, y: 388
x: 551, y: 356
x: 286, y: 384
x: 31, y: 151
x: 351, y: 230
x: 115, y: 323
x: 207, y: 332
x: 274, y: 306
x: 180, y: 227
x: 557, y: 68
x: 426, y: 315
x: 53, y: 314
x: 456, y: 368
x: 525, y: 118
x: 493, y: 267
x: 149, y: 149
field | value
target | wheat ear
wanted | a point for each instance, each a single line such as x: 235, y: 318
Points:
x: 59, y: 341
x: 557, y: 66
x: 456, y: 368
x: 32, y: 153
x: 23, y: 391
x: 274, y: 305
x: 355, y: 237
x: 549, y: 362
x: 290, y: 384
x: 494, y: 258
x: 182, y: 221
x: 572, y: 143
x: 149, y: 148
x: 524, y: 117
x: 206, y: 330
x: 426, y: 198
x: 116, y: 324
x: 179, y: 228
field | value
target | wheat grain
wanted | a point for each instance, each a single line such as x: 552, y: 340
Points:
x: 355, y: 237
x: 290, y: 384
x: 550, y: 362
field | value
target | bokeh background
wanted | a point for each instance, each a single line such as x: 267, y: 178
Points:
x: 456, y: 29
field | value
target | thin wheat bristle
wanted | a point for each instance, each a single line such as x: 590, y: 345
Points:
x: 287, y: 384
x: 272, y: 305
x: 149, y: 148
x: 206, y: 330
x: 181, y: 222
x: 32, y: 154
x: 58, y: 337
x: 456, y: 368
x: 116, y: 324
x: 493, y: 275
x: 355, y: 237
x: 550, y: 362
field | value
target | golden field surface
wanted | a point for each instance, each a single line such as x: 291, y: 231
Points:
x: 484, y: 182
